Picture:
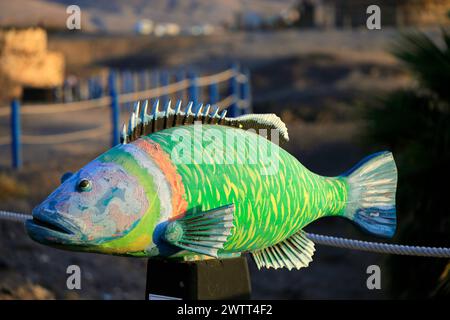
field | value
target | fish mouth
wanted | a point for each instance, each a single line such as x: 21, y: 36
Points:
x: 48, y: 227
x: 55, y: 227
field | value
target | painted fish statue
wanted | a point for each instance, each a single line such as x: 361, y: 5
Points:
x: 194, y: 184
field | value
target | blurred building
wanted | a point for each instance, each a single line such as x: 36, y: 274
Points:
x: 26, y: 64
x: 167, y: 29
x: 352, y: 13
x: 144, y: 27
x: 249, y: 20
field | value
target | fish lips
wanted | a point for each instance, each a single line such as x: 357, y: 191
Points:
x: 50, y: 227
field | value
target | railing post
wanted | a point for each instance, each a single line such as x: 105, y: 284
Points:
x: 193, y: 88
x: 213, y: 92
x: 98, y: 87
x: 245, y: 93
x: 114, y: 108
x: 155, y: 81
x: 164, y: 81
x: 143, y: 80
x: 180, y: 76
x: 233, y: 109
x: 84, y: 90
x: 16, y: 147
x: 91, y: 88
x: 67, y: 92
x: 131, y: 79
x: 122, y: 82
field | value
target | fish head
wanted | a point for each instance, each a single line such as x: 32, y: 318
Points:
x: 95, y: 209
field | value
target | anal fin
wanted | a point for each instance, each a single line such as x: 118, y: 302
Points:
x: 203, y: 232
x: 294, y: 252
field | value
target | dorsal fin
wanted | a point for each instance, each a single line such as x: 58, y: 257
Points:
x: 141, y: 123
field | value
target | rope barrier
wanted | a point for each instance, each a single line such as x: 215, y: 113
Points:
x: 126, y: 97
x: 177, y: 86
x: 216, y: 78
x: 436, y: 252
x: 66, y: 107
x: 122, y: 98
x: 153, y: 93
x: 379, y: 247
x: 66, y: 137
x: 241, y: 78
x: 226, y: 102
x: 14, y: 216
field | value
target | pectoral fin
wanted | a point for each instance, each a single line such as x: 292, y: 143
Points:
x: 294, y: 252
x: 203, y: 232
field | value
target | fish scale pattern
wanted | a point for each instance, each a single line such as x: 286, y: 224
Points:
x: 271, y: 203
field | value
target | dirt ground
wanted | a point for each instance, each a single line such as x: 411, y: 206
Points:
x: 315, y: 81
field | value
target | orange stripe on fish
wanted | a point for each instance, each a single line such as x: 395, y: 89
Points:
x: 162, y: 159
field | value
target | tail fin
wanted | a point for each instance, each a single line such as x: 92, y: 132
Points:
x: 371, y: 196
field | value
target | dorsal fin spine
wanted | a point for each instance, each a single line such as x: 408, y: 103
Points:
x: 177, y: 111
x: 131, y: 124
x: 167, y: 110
x: 139, y: 122
x: 124, y: 134
x: 206, y: 113
x: 137, y: 106
x: 188, y: 112
x: 216, y: 111
x: 222, y: 116
x: 144, y: 111
x: 189, y: 108
x: 154, y: 114
x: 198, y: 112
x: 143, y: 117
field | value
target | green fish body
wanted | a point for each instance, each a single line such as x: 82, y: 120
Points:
x: 186, y: 185
x: 268, y: 207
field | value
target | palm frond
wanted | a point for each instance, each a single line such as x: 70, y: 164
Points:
x: 429, y: 62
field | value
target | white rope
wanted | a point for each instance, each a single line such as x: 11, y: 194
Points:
x: 66, y: 106
x: 14, y: 216
x: 379, y: 247
x: 216, y: 78
x: 154, y: 92
x: 66, y: 137
x: 127, y: 97
x: 60, y: 137
x: 226, y: 102
x: 242, y: 78
x: 177, y: 86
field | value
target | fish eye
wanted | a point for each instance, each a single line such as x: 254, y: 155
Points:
x: 84, y: 185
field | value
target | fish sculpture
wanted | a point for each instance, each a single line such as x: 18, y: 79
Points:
x: 194, y: 184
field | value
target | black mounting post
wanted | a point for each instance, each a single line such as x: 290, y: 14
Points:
x: 198, y: 280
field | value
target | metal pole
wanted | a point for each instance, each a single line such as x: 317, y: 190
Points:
x: 193, y: 88
x: 164, y: 81
x: 155, y: 81
x: 245, y: 93
x: 180, y: 76
x: 114, y: 109
x: 16, y: 147
x: 213, y: 90
x: 233, y: 109
x: 249, y: 91
x: 143, y: 80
